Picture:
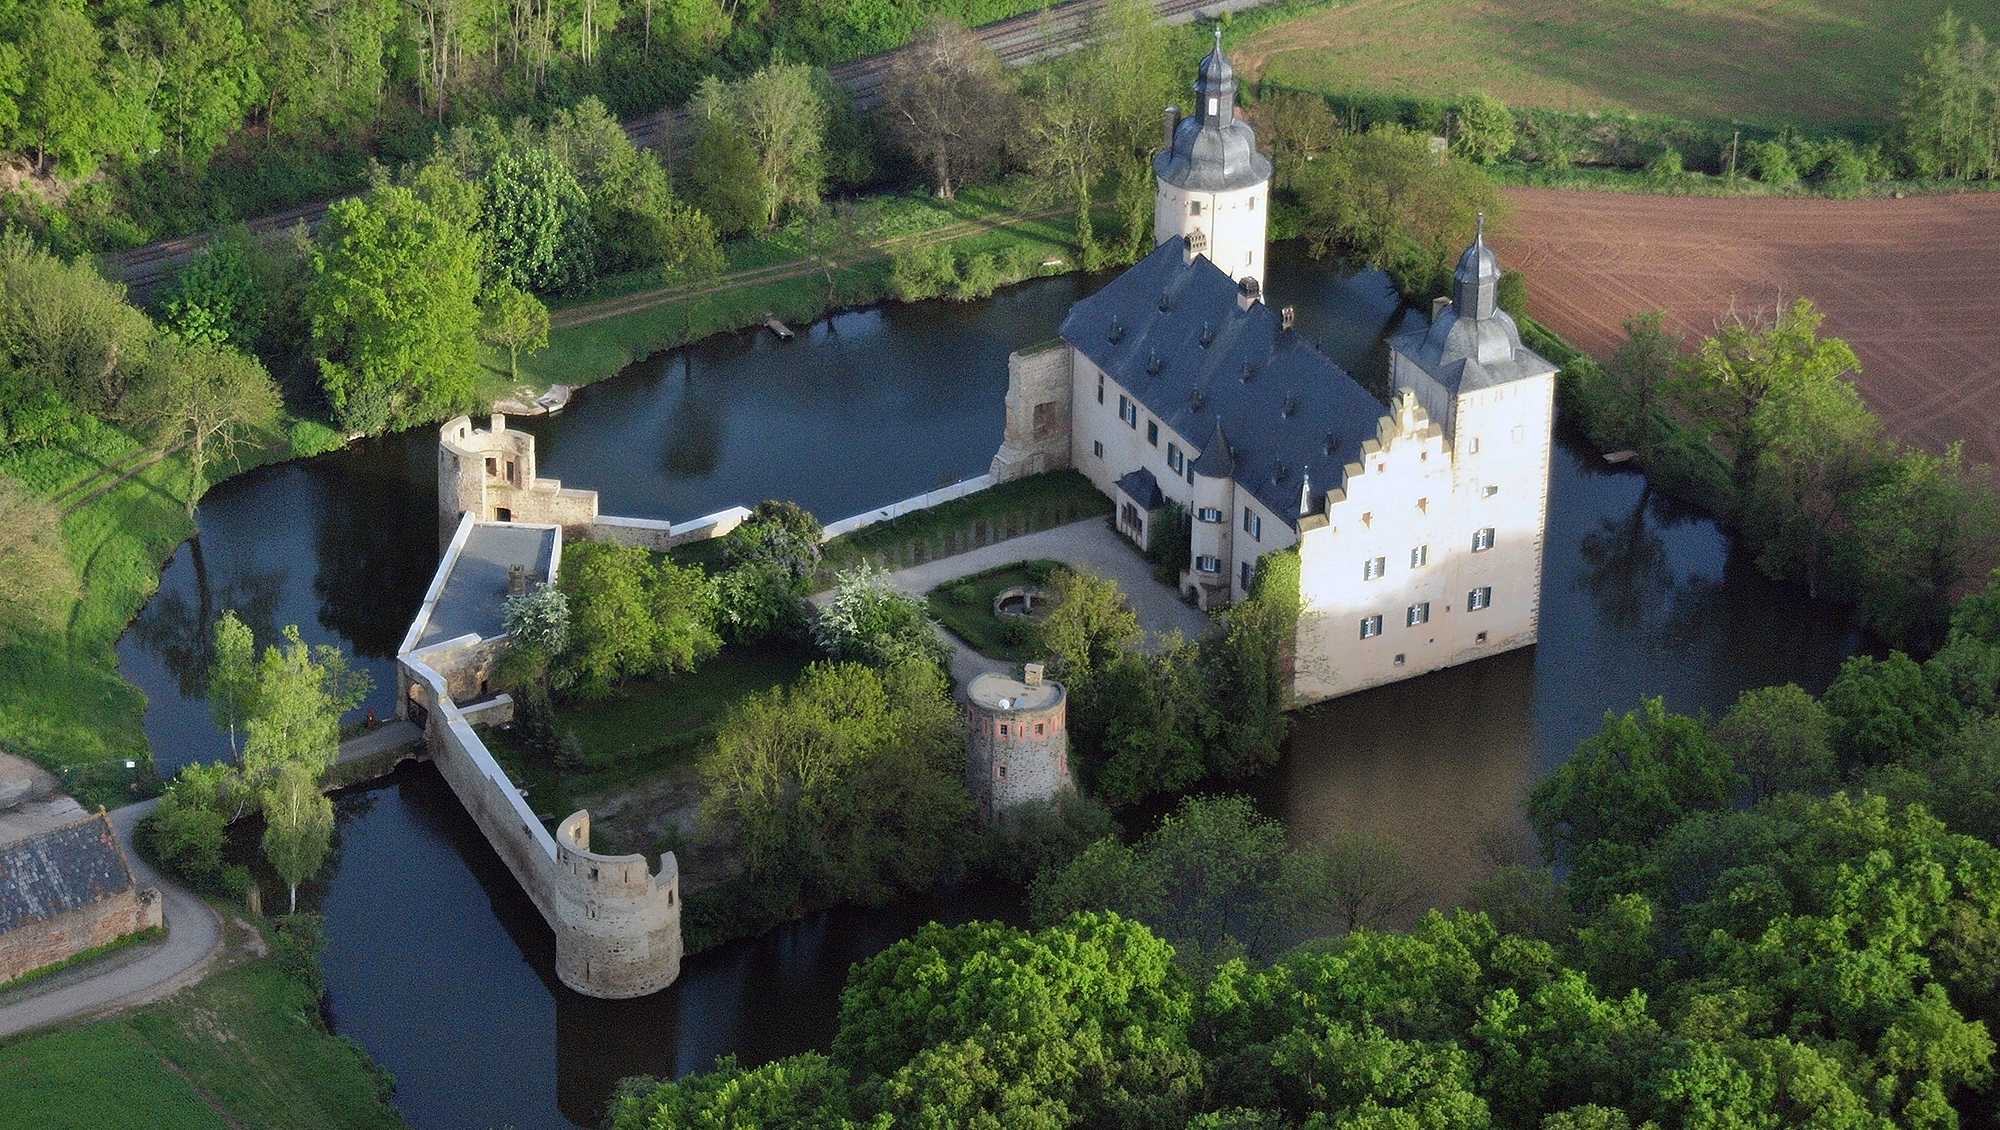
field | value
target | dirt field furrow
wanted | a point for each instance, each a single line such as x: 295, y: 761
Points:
x: 1904, y: 281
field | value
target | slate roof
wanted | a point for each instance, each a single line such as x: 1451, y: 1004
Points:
x: 1285, y: 408
x: 60, y: 870
x: 1213, y: 151
x: 1473, y: 344
x: 1141, y: 487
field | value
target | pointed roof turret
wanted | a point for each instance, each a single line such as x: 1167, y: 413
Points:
x: 1212, y: 150
x: 1215, y: 86
x: 1216, y: 460
x: 1475, y: 285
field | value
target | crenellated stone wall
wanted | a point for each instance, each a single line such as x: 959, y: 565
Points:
x: 617, y: 924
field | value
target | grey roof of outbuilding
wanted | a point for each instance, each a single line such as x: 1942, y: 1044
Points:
x: 474, y: 594
x: 60, y: 870
x: 1297, y: 414
x: 1468, y: 354
x: 1141, y: 487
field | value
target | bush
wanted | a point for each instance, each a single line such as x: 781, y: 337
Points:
x: 1770, y: 162
x: 1484, y: 128
x: 1666, y: 165
x: 1512, y: 294
x: 870, y: 621
x: 310, y: 437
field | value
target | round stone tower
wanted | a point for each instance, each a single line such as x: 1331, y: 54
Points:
x: 1019, y: 744
x: 1214, y: 187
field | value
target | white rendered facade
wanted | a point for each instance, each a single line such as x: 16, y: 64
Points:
x: 1419, y: 525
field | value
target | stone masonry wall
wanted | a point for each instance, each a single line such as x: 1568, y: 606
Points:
x: 1030, y: 761
x: 616, y: 925
x: 1037, y: 436
x: 53, y: 939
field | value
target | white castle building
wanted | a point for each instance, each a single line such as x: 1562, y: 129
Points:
x: 1419, y: 524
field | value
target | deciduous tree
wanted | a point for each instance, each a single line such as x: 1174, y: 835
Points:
x: 298, y: 827
x: 1780, y: 739
x: 232, y: 677
x: 516, y: 320
x: 1918, y: 531
x: 394, y: 309
x: 946, y: 95
x: 207, y: 398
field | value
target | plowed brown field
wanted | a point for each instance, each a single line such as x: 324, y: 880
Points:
x: 1913, y: 285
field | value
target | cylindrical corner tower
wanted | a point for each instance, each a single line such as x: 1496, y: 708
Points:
x: 1214, y: 187
x: 1018, y: 748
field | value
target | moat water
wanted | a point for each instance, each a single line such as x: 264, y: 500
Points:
x: 441, y: 969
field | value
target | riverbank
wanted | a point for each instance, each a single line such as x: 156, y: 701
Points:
x: 799, y: 274
x: 244, y: 1048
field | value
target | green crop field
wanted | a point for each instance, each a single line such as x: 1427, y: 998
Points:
x: 1771, y: 62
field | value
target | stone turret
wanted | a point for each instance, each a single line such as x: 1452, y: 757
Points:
x: 1018, y: 749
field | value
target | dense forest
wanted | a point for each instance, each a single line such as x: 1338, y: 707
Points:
x: 128, y: 120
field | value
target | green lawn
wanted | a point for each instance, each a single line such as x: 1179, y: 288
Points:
x: 62, y: 701
x: 585, y: 353
x: 966, y: 607
x: 244, y: 1048
x: 1022, y: 506
x: 647, y: 726
x: 1771, y: 62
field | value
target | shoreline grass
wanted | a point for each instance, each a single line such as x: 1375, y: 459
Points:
x: 245, y: 1047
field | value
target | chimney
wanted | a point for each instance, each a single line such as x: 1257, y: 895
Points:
x: 1197, y: 244
x: 1172, y: 120
x: 1031, y: 674
x: 1285, y: 317
x: 517, y: 580
x: 1438, y: 306
x: 498, y: 422
x: 1247, y: 294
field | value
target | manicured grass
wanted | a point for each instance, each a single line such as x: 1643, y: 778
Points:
x: 62, y: 701
x: 244, y: 1048
x: 1817, y: 62
x: 645, y: 715
x: 965, y: 606
x: 1022, y: 506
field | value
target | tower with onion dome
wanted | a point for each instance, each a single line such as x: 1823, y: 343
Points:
x: 1214, y: 188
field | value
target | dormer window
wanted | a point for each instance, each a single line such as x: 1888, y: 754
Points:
x: 1154, y: 364
x: 1118, y: 328
x: 1164, y: 304
x: 1207, y: 334
x: 1248, y: 370
x: 1291, y: 405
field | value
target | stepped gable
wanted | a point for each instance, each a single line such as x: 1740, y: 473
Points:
x: 60, y: 870
x: 1287, y: 409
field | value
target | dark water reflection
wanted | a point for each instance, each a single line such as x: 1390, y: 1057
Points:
x: 1641, y: 596
x: 440, y: 968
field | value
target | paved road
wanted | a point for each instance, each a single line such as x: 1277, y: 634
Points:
x: 194, y: 938
x: 1090, y: 544
x: 194, y: 932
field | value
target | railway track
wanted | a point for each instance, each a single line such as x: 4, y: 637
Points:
x: 1018, y: 41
